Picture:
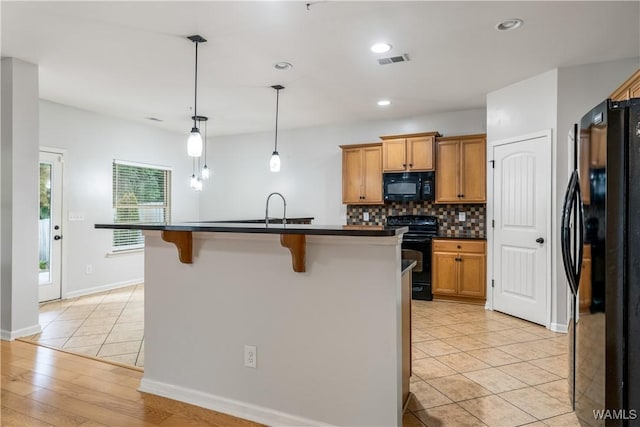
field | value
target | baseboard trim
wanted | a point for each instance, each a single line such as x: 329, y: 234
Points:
x: 236, y: 408
x: 102, y: 288
x: 559, y: 327
x: 19, y: 333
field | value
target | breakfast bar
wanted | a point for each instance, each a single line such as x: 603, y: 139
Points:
x: 318, y: 310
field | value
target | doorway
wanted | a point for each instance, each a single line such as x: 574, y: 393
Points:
x: 522, y: 227
x: 50, y: 227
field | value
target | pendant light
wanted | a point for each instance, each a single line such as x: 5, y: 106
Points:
x: 194, y: 143
x: 274, y: 163
x: 199, y: 174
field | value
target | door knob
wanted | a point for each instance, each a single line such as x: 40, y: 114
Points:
x: 540, y: 240
x: 56, y: 237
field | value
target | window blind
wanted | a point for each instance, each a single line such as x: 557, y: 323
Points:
x: 140, y: 195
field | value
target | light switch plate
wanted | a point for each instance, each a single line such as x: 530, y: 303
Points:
x: 462, y: 216
x: 365, y: 216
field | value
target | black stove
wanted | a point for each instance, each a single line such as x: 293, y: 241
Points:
x: 416, y: 245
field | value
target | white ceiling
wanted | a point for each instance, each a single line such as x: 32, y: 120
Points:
x: 132, y: 59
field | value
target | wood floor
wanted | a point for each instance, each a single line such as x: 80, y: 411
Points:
x: 44, y: 387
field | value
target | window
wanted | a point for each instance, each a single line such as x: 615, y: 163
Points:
x: 140, y: 195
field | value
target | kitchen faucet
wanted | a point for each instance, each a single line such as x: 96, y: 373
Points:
x: 266, y: 212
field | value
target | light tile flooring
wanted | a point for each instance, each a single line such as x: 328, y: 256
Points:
x: 474, y: 367
x: 471, y: 367
x: 108, y: 325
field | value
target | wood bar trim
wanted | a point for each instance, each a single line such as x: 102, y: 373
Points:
x: 183, y: 241
x: 296, y: 243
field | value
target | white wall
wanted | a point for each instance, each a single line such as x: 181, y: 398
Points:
x: 553, y: 100
x: 91, y: 142
x: 579, y: 89
x: 19, y: 199
x: 311, y: 174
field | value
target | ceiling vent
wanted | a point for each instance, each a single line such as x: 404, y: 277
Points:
x: 393, y: 59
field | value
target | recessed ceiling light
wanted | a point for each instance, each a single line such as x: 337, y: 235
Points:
x: 384, y: 102
x: 381, y: 48
x: 509, y: 24
x: 280, y: 66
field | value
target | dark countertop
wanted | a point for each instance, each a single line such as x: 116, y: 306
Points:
x: 296, y: 220
x: 407, y: 265
x: 461, y: 236
x: 258, y: 228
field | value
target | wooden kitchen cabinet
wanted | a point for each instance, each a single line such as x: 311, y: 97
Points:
x: 584, y: 288
x: 629, y: 89
x: 408, y: 153
x: 461, y: 169
x: 459, y: 270
x: 362, y: 174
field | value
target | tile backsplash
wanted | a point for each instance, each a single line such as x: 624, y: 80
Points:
x: 473, y: 225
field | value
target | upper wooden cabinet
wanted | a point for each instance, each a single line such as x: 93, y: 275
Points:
x: 629, y: 89
x: 461, y: 169
x: 362, y: 174
x: 408, y: 153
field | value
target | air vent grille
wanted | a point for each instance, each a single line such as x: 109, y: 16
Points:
x: 393, y: 59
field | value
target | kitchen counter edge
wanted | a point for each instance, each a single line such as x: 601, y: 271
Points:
x: 460, y: 237
x: 306, y: 229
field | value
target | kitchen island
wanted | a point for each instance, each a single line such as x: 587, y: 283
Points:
x: 323, y: 306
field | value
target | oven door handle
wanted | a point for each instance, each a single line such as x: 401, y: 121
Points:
x: 416, y: 240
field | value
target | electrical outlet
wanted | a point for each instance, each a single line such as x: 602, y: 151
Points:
x: 250, y: 356
x: 462, y: 216
x: 88, y: 269
x: 365, y: 216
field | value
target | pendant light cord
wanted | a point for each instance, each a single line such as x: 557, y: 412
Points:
x: 195, y: 95
x: 277, y: 109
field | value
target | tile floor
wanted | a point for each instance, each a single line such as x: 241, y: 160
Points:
x: 108, y: 325
x: 471, y: 367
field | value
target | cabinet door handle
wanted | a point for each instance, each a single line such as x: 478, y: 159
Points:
x: 404, y: 165
x: 410, y: 165
x: 462, y: 196
x: 540, y: 240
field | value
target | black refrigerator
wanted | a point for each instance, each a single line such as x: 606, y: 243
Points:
x: 600, y: 241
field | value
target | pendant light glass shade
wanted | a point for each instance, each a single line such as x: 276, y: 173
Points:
x: 194, y: 143
x: 193, y: 182
x: 206, y: 172
x: 274, y: 163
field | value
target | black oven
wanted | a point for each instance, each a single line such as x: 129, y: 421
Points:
x: 416, y: 245
x: 408, y: 186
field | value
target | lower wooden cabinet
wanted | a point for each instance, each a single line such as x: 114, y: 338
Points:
x: 459, y: 269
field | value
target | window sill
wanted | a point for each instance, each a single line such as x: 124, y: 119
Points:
x: 115, y: 253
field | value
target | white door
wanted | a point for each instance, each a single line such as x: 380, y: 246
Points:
x: 522, y: 214
x: 50, y: 226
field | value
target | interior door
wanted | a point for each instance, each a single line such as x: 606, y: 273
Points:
x: 522, y: 214
x: 50, y: 225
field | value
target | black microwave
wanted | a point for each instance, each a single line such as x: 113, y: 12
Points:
x: 408, y: 186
